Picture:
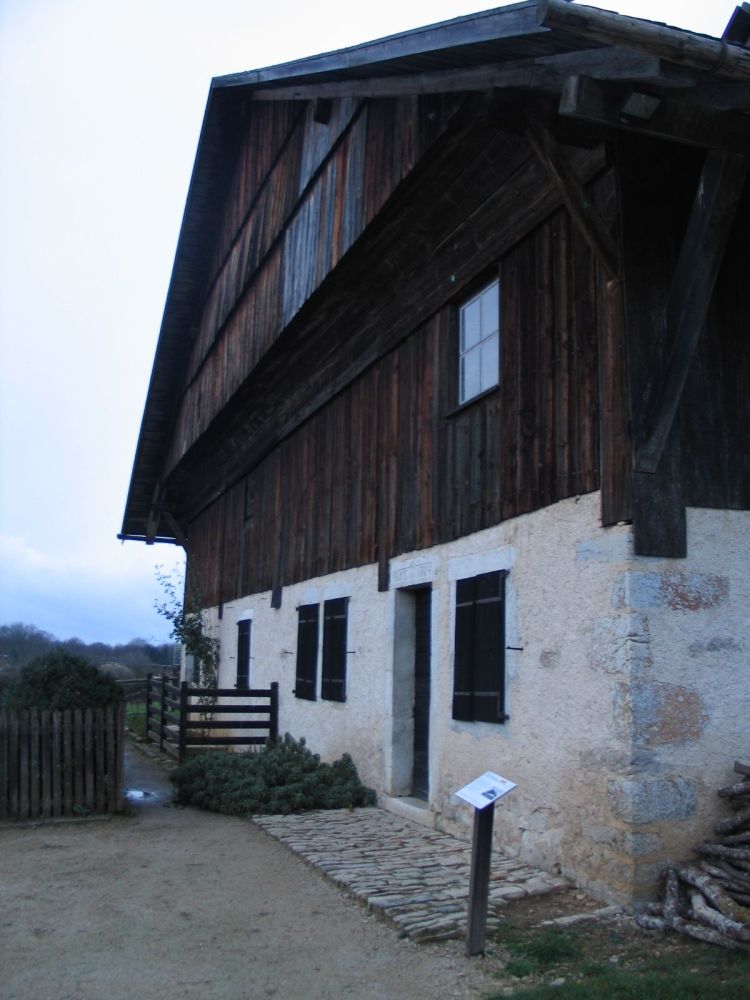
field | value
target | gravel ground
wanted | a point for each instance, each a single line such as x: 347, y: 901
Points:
x: 176, y: 902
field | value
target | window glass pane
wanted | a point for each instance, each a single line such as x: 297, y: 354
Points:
x: 490, y: 367
x: 490, y: 309
x: 470, y: 374
x: 470, y: 324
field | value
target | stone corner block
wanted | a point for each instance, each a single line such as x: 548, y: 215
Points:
x: 648, y: 801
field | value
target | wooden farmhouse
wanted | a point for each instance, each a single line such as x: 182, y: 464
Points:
x: 450, y: 412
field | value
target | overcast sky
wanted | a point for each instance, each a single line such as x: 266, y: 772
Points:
x: 100, y: 109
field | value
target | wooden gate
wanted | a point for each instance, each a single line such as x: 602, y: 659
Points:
x: 182, y: 718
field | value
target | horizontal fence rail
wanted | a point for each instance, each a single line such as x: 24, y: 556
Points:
x: 183, y: 718
x: 61, y: 763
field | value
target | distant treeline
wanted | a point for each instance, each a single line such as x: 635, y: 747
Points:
x: 21, y: 643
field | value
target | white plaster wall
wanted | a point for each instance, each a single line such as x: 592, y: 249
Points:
x: 598, y: 737
x: 330, y: 728
x: 560, y: 743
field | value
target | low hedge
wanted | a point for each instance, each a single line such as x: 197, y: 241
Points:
x: 287, y: 777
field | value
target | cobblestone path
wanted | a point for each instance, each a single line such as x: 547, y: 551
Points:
x: 413, y: 876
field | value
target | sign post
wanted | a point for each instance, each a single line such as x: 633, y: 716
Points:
x: 482, y: 793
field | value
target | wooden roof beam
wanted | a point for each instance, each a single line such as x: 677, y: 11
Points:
x: 685, y: 48
x: 738, y: 29
x: 719, y: 191
x: 542, y: 72
x: 623, y: 107
x: 545, y: 72
x: 583, y: 212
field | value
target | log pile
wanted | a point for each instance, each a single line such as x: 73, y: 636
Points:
x: 709, y: 899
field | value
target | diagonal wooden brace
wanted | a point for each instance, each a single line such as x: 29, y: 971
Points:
x: 719, y: 191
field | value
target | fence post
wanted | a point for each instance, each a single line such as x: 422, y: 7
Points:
x: 273, y: 722
x: 184, y: 707
x: 149, y: 679
x: 162, y: 711
x: 117, y: 738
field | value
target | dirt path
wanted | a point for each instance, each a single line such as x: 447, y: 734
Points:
x: 175, y: 902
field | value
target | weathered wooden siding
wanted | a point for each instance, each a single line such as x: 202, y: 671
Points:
x: 715, y: 414
x: 301, y: 193
x: 706, y: 462
x: 390, y: 465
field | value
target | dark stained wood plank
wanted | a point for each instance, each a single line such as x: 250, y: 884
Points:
x: 89, y: 760
x: 68, y: 750
x: 24, y: 765
x: 35, y: 765
x: 100, y: 789
x: 45, y: 763
x: 714, y: 208
x: 647, y: 204
x: 14, y: 803
x: 4, y: 767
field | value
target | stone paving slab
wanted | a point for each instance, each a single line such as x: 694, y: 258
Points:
x: 415, y: 877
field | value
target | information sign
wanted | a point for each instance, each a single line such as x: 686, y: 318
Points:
x: 486, y: 789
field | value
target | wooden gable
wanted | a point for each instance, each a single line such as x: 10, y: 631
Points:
x: 340, y: 209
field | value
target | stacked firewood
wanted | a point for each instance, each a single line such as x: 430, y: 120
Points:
x: 710, y: 899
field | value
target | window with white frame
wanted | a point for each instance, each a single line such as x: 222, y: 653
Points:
x: 479, y: 343
x: 333, y: 653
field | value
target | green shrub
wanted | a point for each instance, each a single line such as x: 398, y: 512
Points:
x: 57, y: 681
x: 287, y: 777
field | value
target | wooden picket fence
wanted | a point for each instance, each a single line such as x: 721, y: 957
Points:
x: 61, y: 763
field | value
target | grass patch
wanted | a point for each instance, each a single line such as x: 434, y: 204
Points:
x: 135, y: 717
x: 533, y: 954
x: 627, y: 984
x: 614, y: 961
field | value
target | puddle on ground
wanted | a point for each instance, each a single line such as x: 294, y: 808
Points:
x: 135, y: 794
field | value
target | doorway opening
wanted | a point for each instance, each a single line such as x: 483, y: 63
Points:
x: 411, y: 692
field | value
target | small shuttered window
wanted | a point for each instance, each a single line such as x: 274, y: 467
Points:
x: 307, y: 651
x: 243, y: 653
x: 479, y: 665
x: 333, y: 686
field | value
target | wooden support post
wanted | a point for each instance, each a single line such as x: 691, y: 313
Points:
x: 162, y: 710
x: 479, y: 888
x: 118, y: 738
x: 273, y: 722
x: 184, y: 709
x: 149, y: 683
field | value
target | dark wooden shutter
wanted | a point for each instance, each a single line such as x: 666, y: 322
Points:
x: 333, y: 686
x: 463, y: 664
x: 307, y: 651
x: 489, y: 648
x: 243, y: 653
x: 479, y: 665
